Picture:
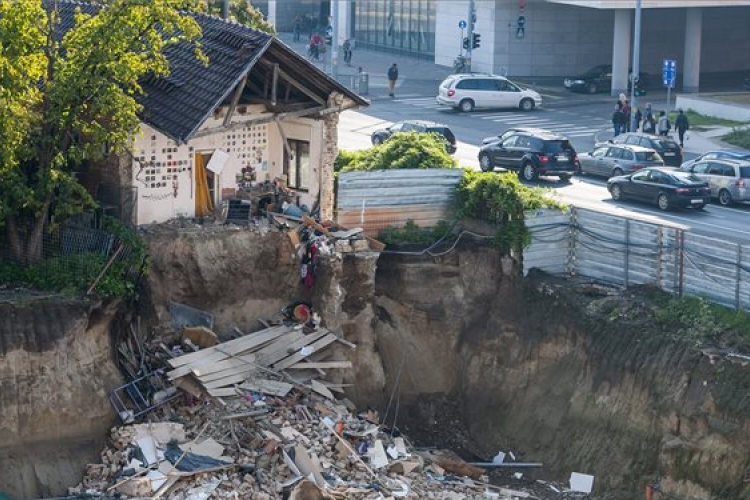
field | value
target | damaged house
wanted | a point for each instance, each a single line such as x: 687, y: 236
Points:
x: 230, y: 133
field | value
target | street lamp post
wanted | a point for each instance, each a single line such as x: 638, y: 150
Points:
x: 635, y: 74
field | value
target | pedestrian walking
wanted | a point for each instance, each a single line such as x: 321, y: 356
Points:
x: 347, y: 48
x: 392, y: 78
x: 316, y: 42
x: 649, y: 123
x: 682, y: 125
x: 663, y: 126
x: 626, y: 111
x: 638, y: 119
x: 618, y: 119
x: 297, y: 28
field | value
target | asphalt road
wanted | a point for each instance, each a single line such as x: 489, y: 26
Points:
x: 584, y: 119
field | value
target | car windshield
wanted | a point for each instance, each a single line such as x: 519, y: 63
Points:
x: 667, y: 143
x: 446, y: 132
x: 556, y: 147
x: 596, y: 70
x: 647, y: 156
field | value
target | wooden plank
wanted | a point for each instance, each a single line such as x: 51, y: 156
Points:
x: 235, y: 346
x: 292, y: 347
x: 225, y: 381
x: 297, y: 357
x: 278, y: 347
x: 225, y: 392
x: 221, y: 366
x: 245, y: 370
x: 321, y: 389
x: 323, y: 365
x: 271, y: 387
x: 186, y: 369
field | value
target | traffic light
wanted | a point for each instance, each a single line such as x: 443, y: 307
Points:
x: 476, y: 40
x: 466, y: 43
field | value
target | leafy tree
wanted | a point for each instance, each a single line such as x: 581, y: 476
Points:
x: 242, y: 12
x: 64, y: 98
x: 403, y: 150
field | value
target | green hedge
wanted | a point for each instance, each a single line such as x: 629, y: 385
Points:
x: 401, y: 151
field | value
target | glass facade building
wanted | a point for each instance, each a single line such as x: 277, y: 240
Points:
x: 403, y: 26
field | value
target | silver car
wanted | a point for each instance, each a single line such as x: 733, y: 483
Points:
x: 612, y: 160
x: 729, y: 179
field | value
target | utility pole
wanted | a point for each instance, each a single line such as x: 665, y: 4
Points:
x: 635, y: 75
x: 335, y: 39
x: 470, y: 31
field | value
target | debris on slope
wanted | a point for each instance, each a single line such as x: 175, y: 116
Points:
x: 254, y: 418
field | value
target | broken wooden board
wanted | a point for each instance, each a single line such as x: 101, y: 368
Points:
x: 323, y: 365
x: 321, y: 389
x: 223, y: 392
x: 304, y: 352
x: 235, y: 346
x: 270, y: 387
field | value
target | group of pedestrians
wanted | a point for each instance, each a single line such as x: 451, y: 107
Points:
x: 623, y: 120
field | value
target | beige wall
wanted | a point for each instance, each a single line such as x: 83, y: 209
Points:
x: 166, y: 188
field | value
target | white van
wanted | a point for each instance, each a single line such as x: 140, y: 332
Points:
x: 469, y: 91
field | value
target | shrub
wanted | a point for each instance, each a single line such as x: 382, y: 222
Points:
x: 411, y: 233
x: 401, y: 151
x: 501, y: 199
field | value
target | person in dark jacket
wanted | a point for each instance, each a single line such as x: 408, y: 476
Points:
x: 392, y: 78
x: 682, y: 125
x: 618, y: 119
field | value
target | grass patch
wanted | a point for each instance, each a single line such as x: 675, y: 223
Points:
x: 700, y: 319
x: 739, y: 138
x: 411, y: 233
x: 698, y: 120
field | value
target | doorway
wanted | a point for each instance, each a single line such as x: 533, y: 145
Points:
x: 297, y: 166
x: 206, y: 185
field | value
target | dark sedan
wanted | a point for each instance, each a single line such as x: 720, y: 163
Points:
x: 421, y: 126
x: 598, y: 79
x: 665, y: 187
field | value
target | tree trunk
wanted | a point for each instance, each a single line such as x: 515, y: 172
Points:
x: 34, y: 250
x: 16, y: 245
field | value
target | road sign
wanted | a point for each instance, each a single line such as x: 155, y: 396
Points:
x: 462, y: 24
x: 669, y: 72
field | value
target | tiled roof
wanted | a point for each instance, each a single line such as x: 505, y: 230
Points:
x: 179, y: 104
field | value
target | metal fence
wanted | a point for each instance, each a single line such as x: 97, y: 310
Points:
x: 389, y: 198
x: 625, y: 252
x: 73, y: 257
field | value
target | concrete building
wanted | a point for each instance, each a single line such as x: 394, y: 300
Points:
x: 537, y: 38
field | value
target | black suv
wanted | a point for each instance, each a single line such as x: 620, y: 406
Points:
x: 531, y: 153
x: 380, y: 136
x: 667, y: 147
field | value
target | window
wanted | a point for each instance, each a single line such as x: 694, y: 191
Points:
x: 700, y: 168
x: 599, y: 152
x: 712, y: 156
x: 614, y: 153
x: 633, y: 139
x: 557, y: 147
x: 660, y: 177
x: 745, y: 172
x: 510, y: 141
x: 626, y: 154
x: 641, y: 176
x: 297, y: 168
x: 398, y: 127
x: 647, y: 156
x: 468, y: 84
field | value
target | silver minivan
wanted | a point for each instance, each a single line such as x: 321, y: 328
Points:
x: 729, y: 180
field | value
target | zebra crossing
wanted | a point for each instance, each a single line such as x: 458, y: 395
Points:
x: 558, y: 121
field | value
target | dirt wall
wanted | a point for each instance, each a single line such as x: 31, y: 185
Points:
x: 579, y: 381
x: 56, y: 371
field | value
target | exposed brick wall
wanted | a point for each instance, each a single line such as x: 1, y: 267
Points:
x: 329, y: 152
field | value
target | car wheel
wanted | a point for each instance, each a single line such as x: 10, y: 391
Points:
x: 616, y: 192
x: 617, y: 172
x: 725, y: 198
x: 591, y: 88
x: 579, y: 169
x: 528, y: 172
x: 466, y: 105
x: 565, y: 177
x: 663, y: 201
x: 527, y: 104
x: 377, y: 140
x: 485, y: 163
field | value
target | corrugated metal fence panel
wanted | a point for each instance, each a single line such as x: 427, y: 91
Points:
x: 393, y: 188
x: 388, y: 198
x: 710, y: 270
x: 743, y: 288
x: 644, y: 253
x: 600, y: 247
x: 550, y: 248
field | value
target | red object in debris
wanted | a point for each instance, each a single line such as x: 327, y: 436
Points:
x: 301, y: 313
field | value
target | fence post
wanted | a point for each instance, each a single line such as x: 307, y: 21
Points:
x: 681, y: 249
x: 626, y: 266
x: 573, y: 229
x: 738, y: 275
